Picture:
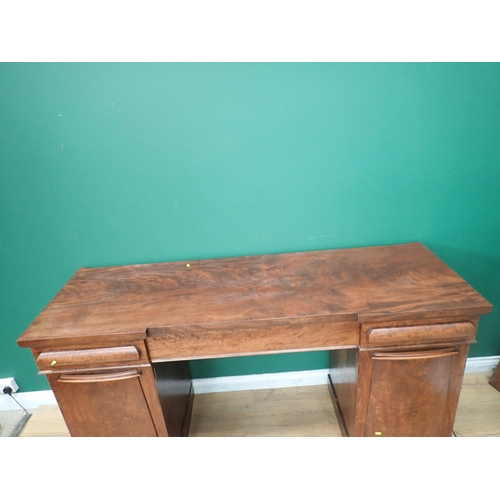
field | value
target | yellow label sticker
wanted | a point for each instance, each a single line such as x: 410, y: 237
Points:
x: 378, y: 433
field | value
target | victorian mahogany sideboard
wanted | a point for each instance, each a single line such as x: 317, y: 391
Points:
x: 115, y: 342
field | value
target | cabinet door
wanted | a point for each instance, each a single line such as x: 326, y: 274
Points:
x: 103, y: 404
x: 414, y: 392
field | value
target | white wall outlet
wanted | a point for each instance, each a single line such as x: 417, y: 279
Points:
x: 8, y: 382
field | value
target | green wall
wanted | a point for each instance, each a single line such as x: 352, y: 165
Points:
x: 108, y: 164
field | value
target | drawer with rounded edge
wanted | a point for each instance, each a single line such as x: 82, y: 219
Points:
x: 417, y: 334
x: 102, y: 356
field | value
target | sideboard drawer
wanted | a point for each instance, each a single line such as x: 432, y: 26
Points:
x: 53, y: 360
x: 418, y: 334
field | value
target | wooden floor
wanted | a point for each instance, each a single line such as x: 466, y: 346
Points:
x: 296, y: 411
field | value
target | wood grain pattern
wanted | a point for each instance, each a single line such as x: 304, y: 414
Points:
x: 400, y: 295
x: 152, y: 398
x: 53, y: 359
x: 364, y: 284
x: 421, y: 333
x: 411, y: 407
x: 118, y: 408
x: 413, y: 395
x: 165, y: 344
x: 82, y: 357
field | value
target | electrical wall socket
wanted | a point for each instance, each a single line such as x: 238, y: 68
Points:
x: 8, y: 382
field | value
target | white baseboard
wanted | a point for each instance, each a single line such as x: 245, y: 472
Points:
x: 483, y: 364
x: 32, y: 400
x: 296, y: 379
x: 263, y: 381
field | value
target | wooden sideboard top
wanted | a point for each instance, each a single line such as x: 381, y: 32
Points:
x: 358, y: 284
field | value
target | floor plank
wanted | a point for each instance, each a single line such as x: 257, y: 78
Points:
x: 293, y: 411
x: 46, y: 421
x: 478, y: 412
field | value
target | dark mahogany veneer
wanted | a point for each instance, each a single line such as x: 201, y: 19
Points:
x: 115, y: 341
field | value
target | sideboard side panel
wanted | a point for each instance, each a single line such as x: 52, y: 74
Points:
x: 344, y: 378
x: 175, y: 391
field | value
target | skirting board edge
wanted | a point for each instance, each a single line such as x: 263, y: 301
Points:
x: 32, y: 400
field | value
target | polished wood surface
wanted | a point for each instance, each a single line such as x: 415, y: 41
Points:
x: 414, y: 394
x: 416, y: 334
x: 397, y: 391
x: 118, y: 405
x: 51, y: 359
x: 363, y: 284
x: 399, y: 318
x: 287, y: 336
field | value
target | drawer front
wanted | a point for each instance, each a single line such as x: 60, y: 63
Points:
x: 104, y: 356
x: 418, y: 334
x: 165, y: 344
